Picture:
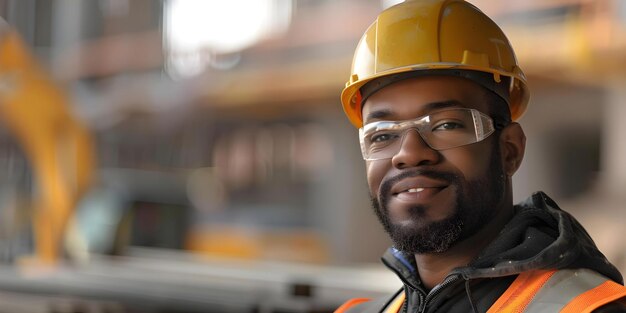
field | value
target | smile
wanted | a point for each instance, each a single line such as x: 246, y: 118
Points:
x: 417, y: 195
x: 416, y: 185
x: 415, y: 190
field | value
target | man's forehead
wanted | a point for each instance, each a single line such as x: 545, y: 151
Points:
x: 419, y: 96
x: 383, y: 111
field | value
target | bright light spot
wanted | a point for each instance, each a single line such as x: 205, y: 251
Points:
x: 196, y: 30
x: 388, y: 3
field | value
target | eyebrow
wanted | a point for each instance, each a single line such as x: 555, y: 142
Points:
x: 432, y: 106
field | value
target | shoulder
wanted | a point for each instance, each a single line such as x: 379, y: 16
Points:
x: 567, y: 290
x: 578, y: 290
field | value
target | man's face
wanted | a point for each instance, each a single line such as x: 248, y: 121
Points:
x: 427, y: 200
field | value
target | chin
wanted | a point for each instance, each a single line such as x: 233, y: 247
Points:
x: 420, y: 237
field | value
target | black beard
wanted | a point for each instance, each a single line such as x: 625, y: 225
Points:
x: 475, y: 207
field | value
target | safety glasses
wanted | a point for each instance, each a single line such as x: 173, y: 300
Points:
x: 440, y: 130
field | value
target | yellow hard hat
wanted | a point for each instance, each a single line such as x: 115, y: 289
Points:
x: 427, y: 37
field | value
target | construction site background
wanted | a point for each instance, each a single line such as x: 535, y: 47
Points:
x: 210, y: 153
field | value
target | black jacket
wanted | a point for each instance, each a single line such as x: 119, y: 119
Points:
x: 539, y: 236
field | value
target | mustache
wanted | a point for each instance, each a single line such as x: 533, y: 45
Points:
x: 386, y: 185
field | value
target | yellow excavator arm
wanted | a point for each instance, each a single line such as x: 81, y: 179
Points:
x: 60, y: 150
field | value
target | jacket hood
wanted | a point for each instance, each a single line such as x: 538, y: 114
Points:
x: 539, y: 236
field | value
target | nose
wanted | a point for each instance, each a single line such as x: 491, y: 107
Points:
x: 414, y: 152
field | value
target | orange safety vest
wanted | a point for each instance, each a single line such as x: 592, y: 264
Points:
x: 564, y: 291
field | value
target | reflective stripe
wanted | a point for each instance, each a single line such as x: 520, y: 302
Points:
x: 596, y: 297
x: 396, y: 304
x: 350, y: 303
x: 565, y: 291
x: 521, y: 292
x: 563, y: 287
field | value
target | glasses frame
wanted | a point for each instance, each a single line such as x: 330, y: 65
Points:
x: 484, y: 126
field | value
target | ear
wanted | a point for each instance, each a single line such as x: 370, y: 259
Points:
x: 512, y: 147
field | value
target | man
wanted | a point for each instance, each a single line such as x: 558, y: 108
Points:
x: 435, y: 91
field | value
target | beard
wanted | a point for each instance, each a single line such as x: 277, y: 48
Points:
x: 475, y: 202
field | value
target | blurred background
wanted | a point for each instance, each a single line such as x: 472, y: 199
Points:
x: 192, y: 156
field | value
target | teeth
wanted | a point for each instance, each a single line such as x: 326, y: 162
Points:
x: 415, y: 190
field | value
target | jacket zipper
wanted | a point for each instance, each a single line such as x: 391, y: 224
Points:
x: 453, y: 278
x: 437, y: 290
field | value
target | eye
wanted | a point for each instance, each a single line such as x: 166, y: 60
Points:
x: 382, y: 137
x: 448, y: 126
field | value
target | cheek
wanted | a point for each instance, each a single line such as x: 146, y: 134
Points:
x: 472, y: 162
x: 376, y: 171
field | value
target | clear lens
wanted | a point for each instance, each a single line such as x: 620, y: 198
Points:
x: 440, y: 130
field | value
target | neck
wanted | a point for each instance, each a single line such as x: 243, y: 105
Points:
x: 434, y: 267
